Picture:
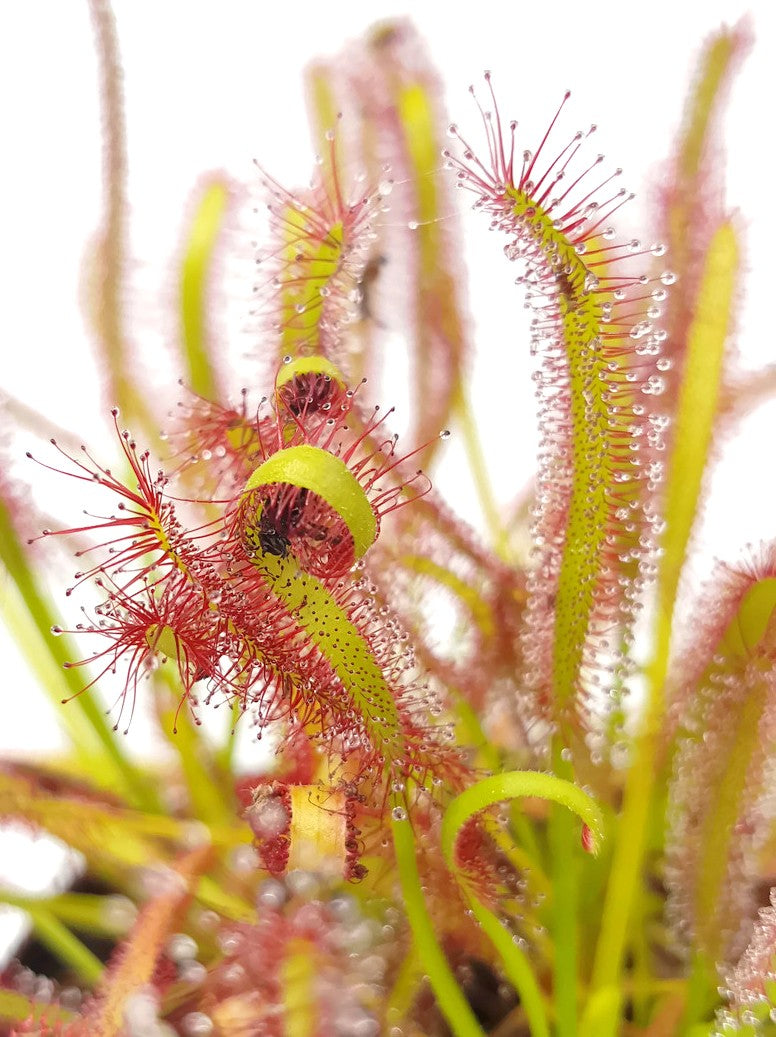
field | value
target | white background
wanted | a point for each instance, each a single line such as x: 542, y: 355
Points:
x: 212, y: 85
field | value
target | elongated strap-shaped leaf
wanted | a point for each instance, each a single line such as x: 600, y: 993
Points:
x: 450, y: 998
x: 693, y: 196
x: 697, y: 404
x: 441, y: 343
x: 694, y: 424
x: 202, y: 238
x: 688, y: 220
x: 349, y: 655
x: 718, y: 794
x: 136, y: 961
x: 391, y: 97
x: 319, y: 247
x: 594, y: 330
x: 108, y: 268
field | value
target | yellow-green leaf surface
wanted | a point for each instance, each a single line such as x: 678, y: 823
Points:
x: 202, y: 239
x: 338, y: 640
x: 693, y: 431
x: 312, y: 468
x: 697, y: 405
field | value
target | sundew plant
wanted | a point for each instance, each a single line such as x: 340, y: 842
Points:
x: 489, y: 784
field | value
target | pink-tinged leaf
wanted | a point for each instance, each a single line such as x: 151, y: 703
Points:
x: 319, y: 242
x: 750, y: 986
x: 106, y: 273
x: 692, y: 198
x: 434, y: 564
x: 390, y: 95
x: 598, y: 342
x: 720, y: 809
x: 132, y: 967
x: 204, y: 233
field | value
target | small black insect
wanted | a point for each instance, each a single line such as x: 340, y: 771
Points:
x: 273, y: 543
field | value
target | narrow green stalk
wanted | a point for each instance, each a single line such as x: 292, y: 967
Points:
x: 450, y: 999
x: 67, y: 947
x: 203, y: 236
x: 563, y: 837
x: 403, y: 991
x: 89, y: 912
x: 701, y: 991
x: 567, y: 797
x: 517, y: 966
x: 479, y: 471
x: 629, y: 848
x: 696, y: 414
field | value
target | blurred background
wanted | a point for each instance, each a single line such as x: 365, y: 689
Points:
x: 213, y: 86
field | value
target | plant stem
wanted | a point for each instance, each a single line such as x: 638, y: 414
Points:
x: 517, y: 967
x: 67, y: 947
x: 562, y: 832
x: 479, y: 470
x: 450, y: 999
x: 631, y: 839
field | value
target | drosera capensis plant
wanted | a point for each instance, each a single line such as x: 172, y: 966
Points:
x: 547, y: 814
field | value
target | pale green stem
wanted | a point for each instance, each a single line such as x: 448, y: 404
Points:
x: 89, y: 912
x: 479, y: 471
x: 403, y: 992
x: 701, y: 990
x: 67, y: 947
x: 517, y: 966
x: 450, y: 998
x: 559, y: 791
x: 629, y: 848
x: 563, y: 838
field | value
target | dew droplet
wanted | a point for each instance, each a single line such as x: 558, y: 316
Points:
x: 197, y: 1024
x: 181, y: 947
